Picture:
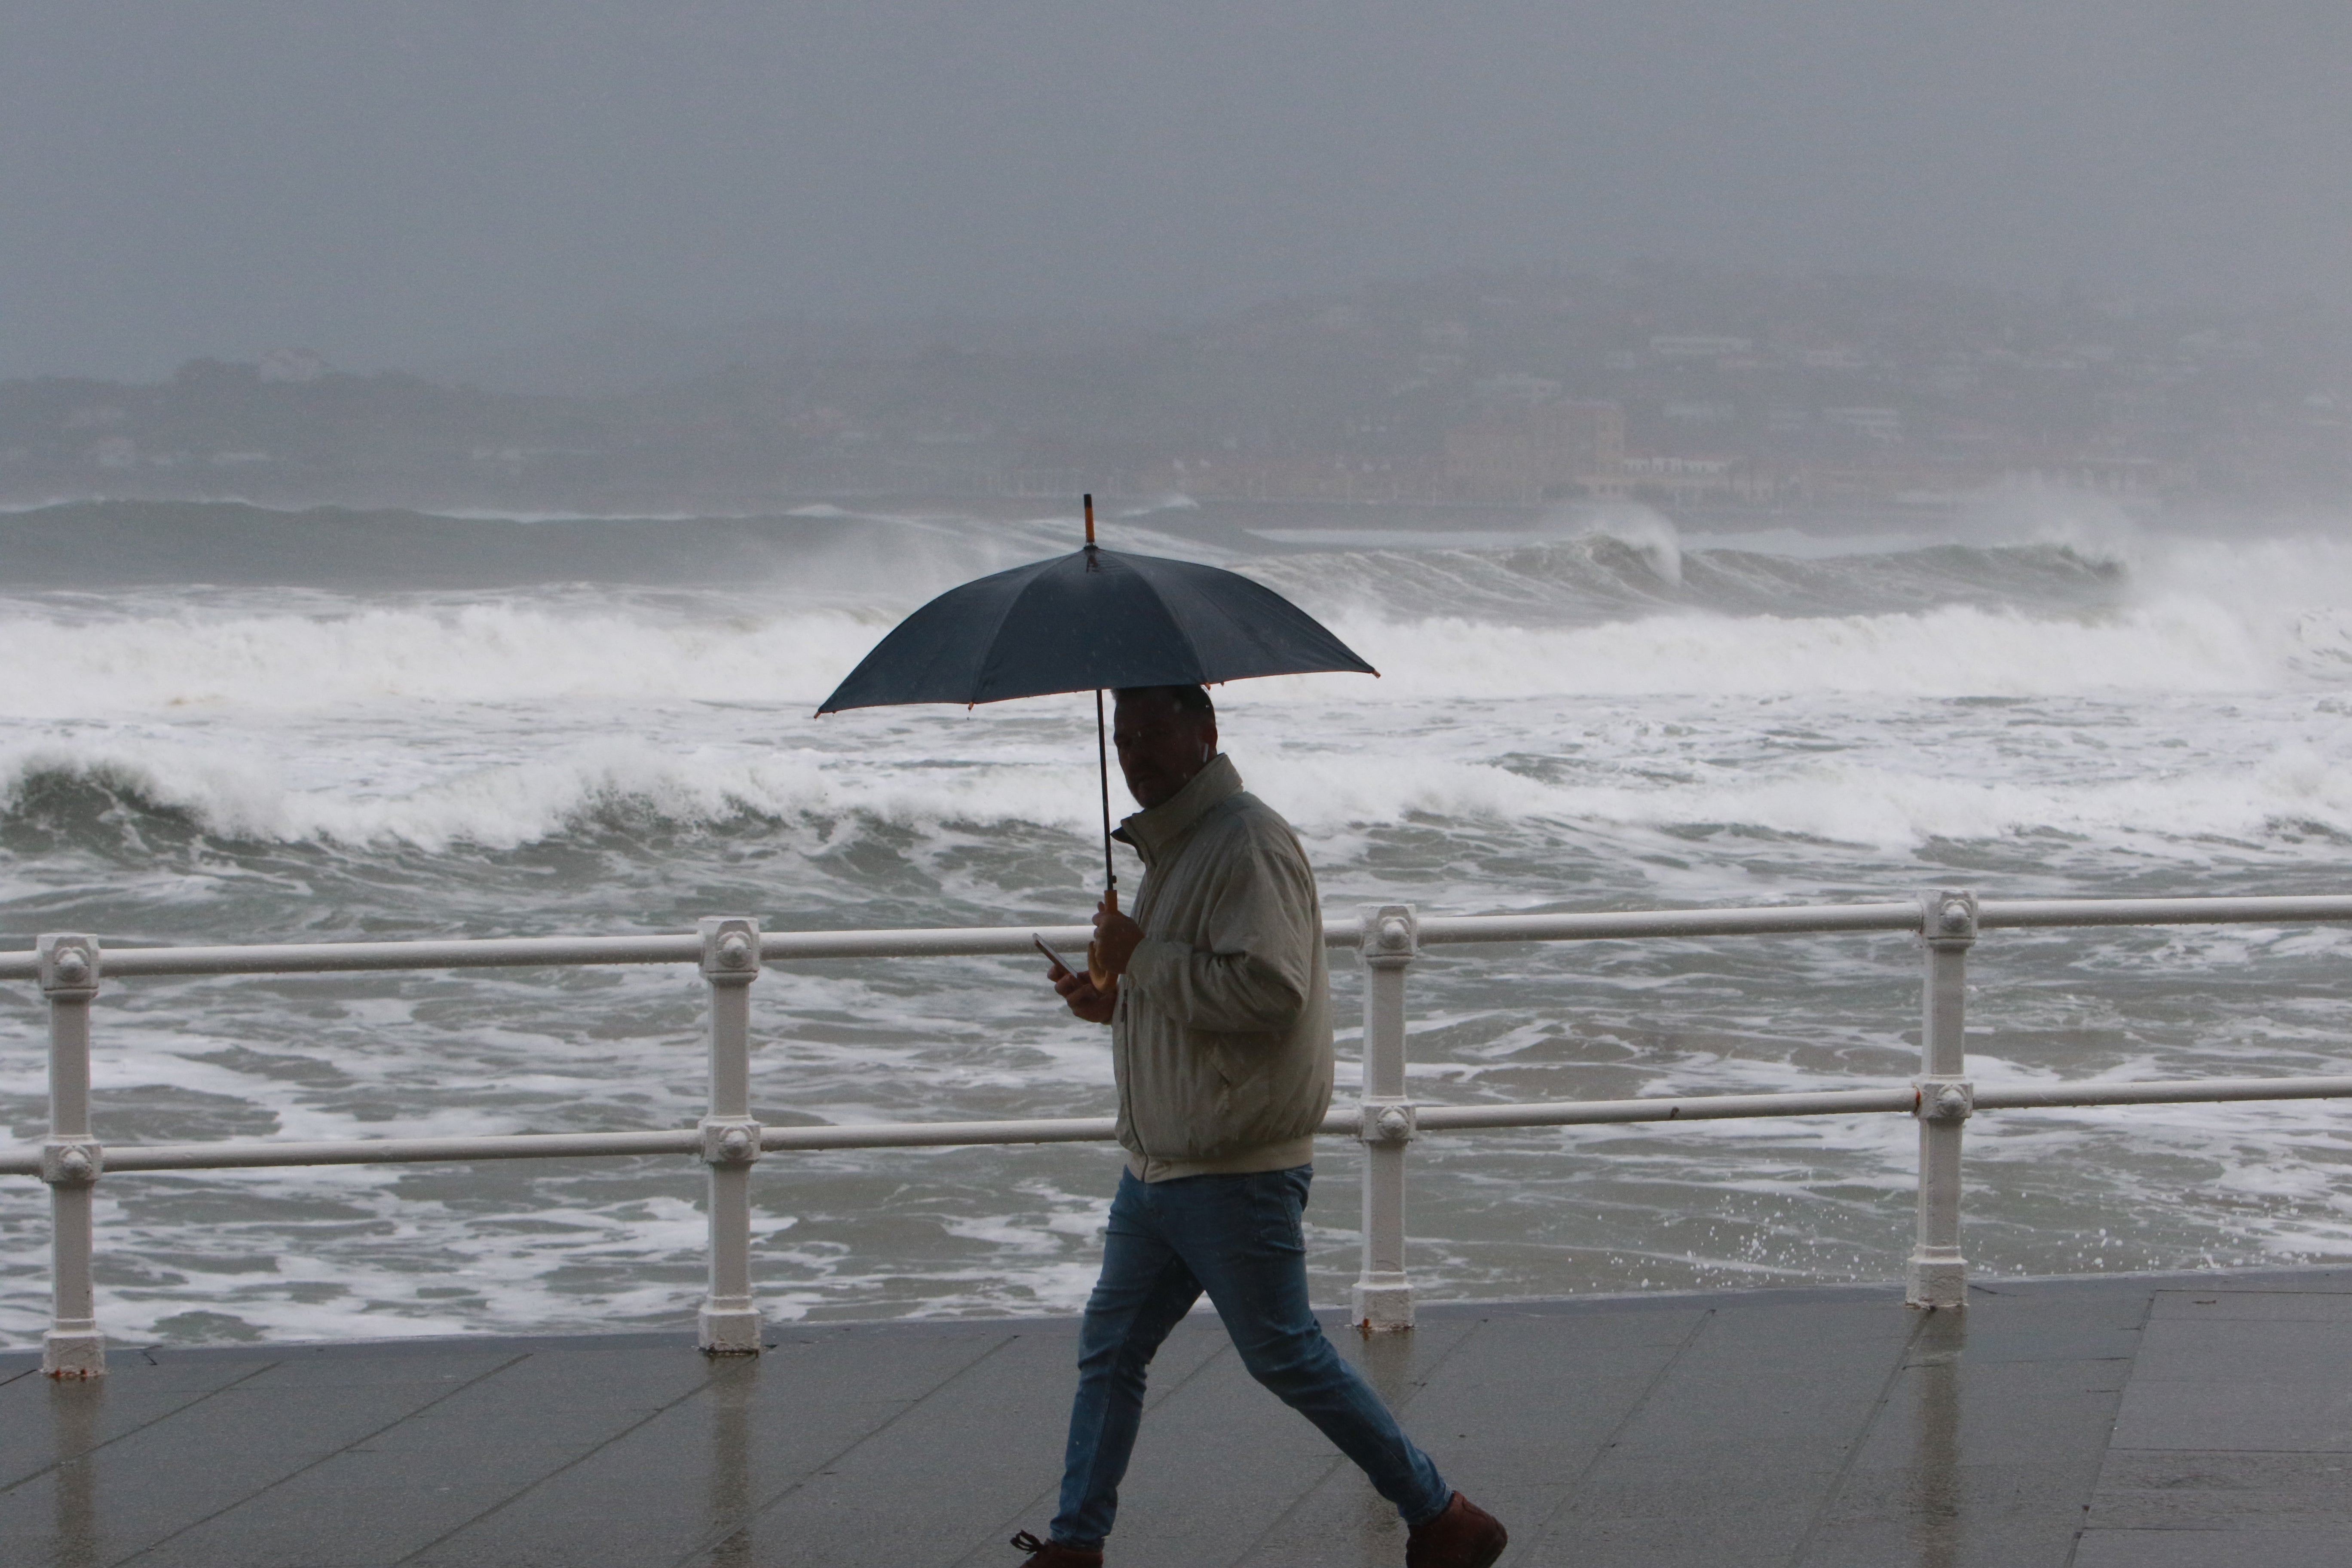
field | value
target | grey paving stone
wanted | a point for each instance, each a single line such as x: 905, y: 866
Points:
x: 1988, y: 1448
x: 1698, y: 1537
x: 1774, y: 1415
x: 1214, y: 1465
x: 2039, y: 1412
x: 385, y: 1498
x: 453, y: 1366
x: 2040, y: 1343
x: 146, y: 1487
x: 1219, y: 1460
x: 2028, y: 1326
x: 978, y: 1440
x: 1513, y: 1417
x: 1978, y: 1492
x: 133, y: 1370
x: 2214, y: 1549
x: 2311, y: 1415
x: 42, y: 1422
x: 1727, y: 1475
x: 667, y: 1490
x: 2239, y: 1350
x: 1201, y: 1409
x: 1742, y: 1440
x: 2226, y: 1304
x: 1635, y: 1323
x: 542, y: 1396
x: 362, y: 1507
x: 2121, y: 1300
x: 1925, y: 1539
x: 1816, y: 1428
x: 2161, y: 1490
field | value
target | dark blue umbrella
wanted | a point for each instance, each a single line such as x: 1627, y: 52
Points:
x: 1091, y: 621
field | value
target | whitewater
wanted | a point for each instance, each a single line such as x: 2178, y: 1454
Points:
x: 1590, y: 711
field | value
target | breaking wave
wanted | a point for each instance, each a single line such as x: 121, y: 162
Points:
x: 506, y: 718
x: 1944, y: 623
x: 560, y: 727
x: 930, y: 779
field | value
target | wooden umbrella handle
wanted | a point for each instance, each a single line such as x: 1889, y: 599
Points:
x: 1104, y: 980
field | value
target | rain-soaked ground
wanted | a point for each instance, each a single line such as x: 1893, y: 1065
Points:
x: 2130, y: 1421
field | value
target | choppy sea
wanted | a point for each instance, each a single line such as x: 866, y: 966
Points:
x: 1590, y: 711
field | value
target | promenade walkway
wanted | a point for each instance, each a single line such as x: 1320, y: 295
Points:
x: 2186, y: 1421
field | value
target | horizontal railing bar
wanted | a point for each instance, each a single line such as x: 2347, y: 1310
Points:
x: 2286, y: 910
x: 2177, y: 1092
x: 1833, y: 1103
x: 946, y: 941
x: 1612, y: 924
x: 1660, y: 1108
x: 1339, y: 1124
x: 310, y: 958
x: 936, y: 1134
x: 315, y: 957
x: 121, y: 1158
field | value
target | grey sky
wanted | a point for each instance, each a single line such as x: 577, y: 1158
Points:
x: 406, y: 183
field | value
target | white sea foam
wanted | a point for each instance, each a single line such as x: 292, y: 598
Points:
x: 2252, y: 617
x: 487, y: 652
x: 2294, y: 769
x: 240, y: 794
x: 1561, y: 722
x: 2181, y: 644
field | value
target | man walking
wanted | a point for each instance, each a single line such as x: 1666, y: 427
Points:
x: 1219, y: 1004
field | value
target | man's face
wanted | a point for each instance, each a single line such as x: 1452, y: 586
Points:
x: 1160, y: 746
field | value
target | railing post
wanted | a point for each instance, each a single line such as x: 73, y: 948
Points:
x: 70, y: 1159
x: 1382, y: 1301
x: 1939, y: 1274
x: 729, y: 1322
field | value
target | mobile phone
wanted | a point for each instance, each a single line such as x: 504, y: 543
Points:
x: 1049, y: 952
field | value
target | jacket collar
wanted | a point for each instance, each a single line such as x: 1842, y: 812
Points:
x: 1155, y: 833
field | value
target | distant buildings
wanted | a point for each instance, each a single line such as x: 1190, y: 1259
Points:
x: 1517, y: 391
x: 292, y: 365
x: 1544, y: 452
x: 1699, y: 345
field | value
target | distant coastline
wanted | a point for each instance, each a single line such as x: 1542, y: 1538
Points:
x: 1695, y: 393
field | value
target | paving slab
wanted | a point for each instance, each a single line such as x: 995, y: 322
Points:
x: 2199, y: 1490
x: 2233, y: 1438
x: 128, y: 1496
x: 1514, y: 1417
x: 686, y: 1482
x: 43, y: 1423
x: 2151, y: 1421
x: 2214, y: 1549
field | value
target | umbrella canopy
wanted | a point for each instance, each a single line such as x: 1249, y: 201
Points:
x: 1091, y: 621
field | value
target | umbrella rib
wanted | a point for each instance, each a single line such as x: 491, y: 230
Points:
x: 1204, y: 603
x: 995, y: 635
x: 1175, y: 624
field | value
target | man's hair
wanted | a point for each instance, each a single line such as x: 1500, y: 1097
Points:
x: 1184, y: 699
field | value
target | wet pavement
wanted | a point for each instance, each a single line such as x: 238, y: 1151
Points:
x: 2185, y: 1421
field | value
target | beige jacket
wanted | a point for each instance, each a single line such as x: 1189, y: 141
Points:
x: 1221, y: 1040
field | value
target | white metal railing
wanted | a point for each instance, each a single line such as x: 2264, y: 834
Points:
x: 730, y: 952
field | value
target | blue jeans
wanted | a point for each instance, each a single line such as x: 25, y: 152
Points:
x: 1239, y: 1239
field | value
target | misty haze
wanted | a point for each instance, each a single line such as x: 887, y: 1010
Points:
x: 1801, y: 452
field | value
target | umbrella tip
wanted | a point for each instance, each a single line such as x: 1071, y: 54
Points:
x: 1090, y: 517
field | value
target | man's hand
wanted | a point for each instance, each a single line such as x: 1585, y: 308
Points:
x: 1095, y: 1006
x: 1115, y: 939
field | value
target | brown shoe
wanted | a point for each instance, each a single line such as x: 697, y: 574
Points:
x: 1463, y: 1536
x: 1054, y: 1554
